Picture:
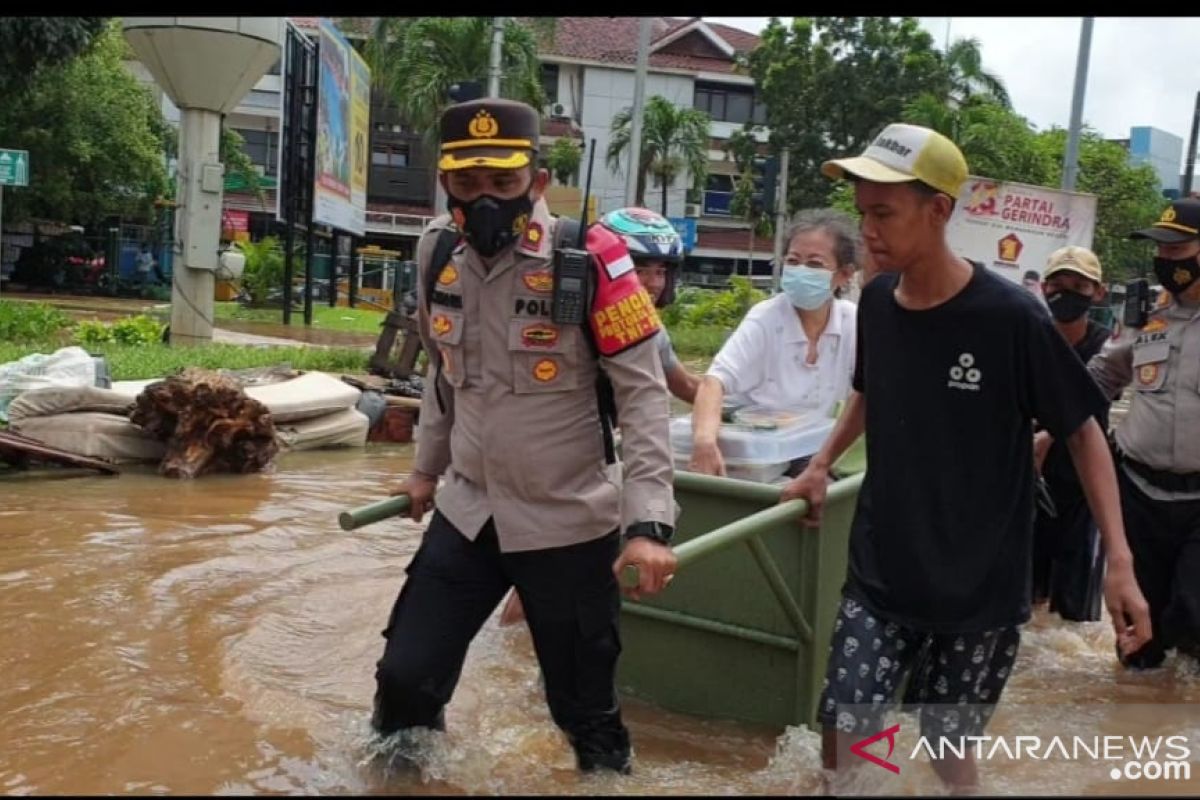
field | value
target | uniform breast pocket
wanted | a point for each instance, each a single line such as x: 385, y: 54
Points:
x: 545, y: 356
x: 446, y: 330
x: 1150, y: 366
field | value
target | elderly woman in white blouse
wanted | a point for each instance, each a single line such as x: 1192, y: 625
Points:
x: 796, y: 350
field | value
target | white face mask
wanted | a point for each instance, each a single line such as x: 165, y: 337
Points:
x: 807, y: 287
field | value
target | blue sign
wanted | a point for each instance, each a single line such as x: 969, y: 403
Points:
x: 686, y: 227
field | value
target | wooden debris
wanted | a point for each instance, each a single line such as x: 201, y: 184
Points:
x: 21, y: 451
x: 209, y: 424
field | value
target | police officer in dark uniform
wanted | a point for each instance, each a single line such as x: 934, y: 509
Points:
x: 1158, y: 443
x: 510, y: 422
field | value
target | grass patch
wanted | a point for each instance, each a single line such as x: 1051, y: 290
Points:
x: 138, y: 362
x: 351, y: 320
x: 698, y: 342
x: 24, y: 322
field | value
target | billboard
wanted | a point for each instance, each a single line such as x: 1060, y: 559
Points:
x: 1014, y: 227
x: 343, y: 134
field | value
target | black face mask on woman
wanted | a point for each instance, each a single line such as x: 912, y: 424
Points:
x: 1177, y: 274
x: 490, y: 223
x: 1068, y: 306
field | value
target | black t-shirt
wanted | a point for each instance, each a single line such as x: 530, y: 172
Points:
x: 942, y: 535
x: 1058, y: 468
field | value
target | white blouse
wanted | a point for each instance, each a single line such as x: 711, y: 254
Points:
x: 763, y: 362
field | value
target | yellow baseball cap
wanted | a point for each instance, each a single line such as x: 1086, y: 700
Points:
x: 903, y: 153
x: 1073, y: 258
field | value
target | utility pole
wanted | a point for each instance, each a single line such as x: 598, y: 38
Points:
x: 781, y: 217
x: 1071, y: 159
x: 497, y: 49
x: 1185, y: 190
x: 639, y: 104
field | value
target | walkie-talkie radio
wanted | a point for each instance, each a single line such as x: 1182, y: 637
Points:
x: 1137, y: 303
x: 571, y: 265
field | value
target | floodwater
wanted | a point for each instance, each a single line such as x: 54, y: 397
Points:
x: 219, y: 636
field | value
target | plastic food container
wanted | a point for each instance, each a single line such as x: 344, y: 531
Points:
x: 760, y: 443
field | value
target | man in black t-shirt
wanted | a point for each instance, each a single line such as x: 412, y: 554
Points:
x: 956, y: 363
x: 1068, y: 563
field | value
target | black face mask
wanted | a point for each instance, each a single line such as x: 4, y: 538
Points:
x: 1068, y: 306
x: 1177, y: 274
x: 491, y: 224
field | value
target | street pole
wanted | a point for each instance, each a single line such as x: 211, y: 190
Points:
x: 1071, y: 160
x: 781, y: 217
x: 497, y: 49
x: 639, y: 105
x: 1, y: 233
x: 1185, y: 190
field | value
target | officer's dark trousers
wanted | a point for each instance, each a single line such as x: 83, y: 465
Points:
x: 1165, y: 541
x: 571, y: 601
x: 1068, y: 564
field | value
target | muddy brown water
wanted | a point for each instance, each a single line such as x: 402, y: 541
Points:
x: 219, y: 636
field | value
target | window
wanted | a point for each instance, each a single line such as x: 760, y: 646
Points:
x: 725, y: 103
x: 262, y: 147
x: 760, y: 111
x: 550, y: 82
x: 737, y: 107
x: 390, y: 155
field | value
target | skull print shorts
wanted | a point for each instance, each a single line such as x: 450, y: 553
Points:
x: 955, y: 678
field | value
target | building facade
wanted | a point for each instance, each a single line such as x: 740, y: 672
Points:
x: 588, y: 72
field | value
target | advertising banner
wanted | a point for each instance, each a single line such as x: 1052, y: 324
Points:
x: 1014, y: 227
x: 343, y: 111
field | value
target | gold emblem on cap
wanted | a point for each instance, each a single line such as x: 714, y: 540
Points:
x: 484, y: 126
x: 1168, y: 215
x: 1181, y: 276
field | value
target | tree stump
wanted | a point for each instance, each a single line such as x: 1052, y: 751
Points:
x: 208, y: 423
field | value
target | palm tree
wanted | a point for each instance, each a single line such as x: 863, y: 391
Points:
x: 417, y: 59
x: 674, y: 140
x: 968, y: 77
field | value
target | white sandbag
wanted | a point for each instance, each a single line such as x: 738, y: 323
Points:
x: 96, y: 435
x: 68, y: 366
x: 345, y: 428
x: 65, y: 400
x: 132, y: 389
x: 312, y: 394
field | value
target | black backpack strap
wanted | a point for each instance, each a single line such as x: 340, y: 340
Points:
x: 567, y: 233
x: 442, y: 250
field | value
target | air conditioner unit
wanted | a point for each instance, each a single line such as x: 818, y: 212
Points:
x: 557, y: 110
x: 691, y: 209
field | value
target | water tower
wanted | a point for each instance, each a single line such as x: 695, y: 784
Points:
x: 205, y: 65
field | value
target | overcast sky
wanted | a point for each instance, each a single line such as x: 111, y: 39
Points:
x: 1143, y: 70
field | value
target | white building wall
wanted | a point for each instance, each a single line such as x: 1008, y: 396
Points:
x: 605, y: 93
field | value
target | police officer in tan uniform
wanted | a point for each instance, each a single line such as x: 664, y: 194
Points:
x: 510, y: 422
x: 1158, y: 443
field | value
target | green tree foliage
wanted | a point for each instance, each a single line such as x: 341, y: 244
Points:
x: 28, y: 45
x: 1127, y: 198
x: 742, y: 148
x: 674, y: 140
x: 264, y: 268
x: 831, y: 83
x: 997, y: 142
x: 416, y: 60
x: 563, y: 159
x: 968, y: 78
x: 95, y: 137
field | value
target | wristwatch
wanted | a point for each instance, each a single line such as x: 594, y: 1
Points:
x: 656, y: 531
